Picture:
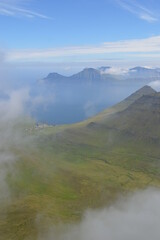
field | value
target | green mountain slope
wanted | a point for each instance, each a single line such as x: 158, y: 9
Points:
x: 68, y: 169
x: 101, y: 117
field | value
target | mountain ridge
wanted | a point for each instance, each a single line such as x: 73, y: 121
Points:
x: 146, y: 90
x: 99, y: 74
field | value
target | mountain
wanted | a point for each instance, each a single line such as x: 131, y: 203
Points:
x: 144, y: 91
x: 91, y: 75
x: 88, y: 92
x: 137, y: 116
x: 88, y: 74
x: 54, y: 77
x: 61, y: 171
x: 141, y: 119
x: 142, y: 73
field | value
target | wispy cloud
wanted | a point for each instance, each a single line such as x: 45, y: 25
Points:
x: 140, y: 11
x: 136, y: 46
x: 12, y: 8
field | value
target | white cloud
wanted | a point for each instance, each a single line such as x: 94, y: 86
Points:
x: 11, y: 113
x: 149, y: 45
x: 140, y: 11
x: 14, y: 8
x: 155, y: 85
x: 116, y: 71
x: 136, y: 217
x: 148, y: 18
x: 13, y: 107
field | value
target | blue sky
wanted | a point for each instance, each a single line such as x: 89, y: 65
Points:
x: 84, y: 30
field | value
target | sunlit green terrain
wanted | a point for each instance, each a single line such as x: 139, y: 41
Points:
x: 63, y: 170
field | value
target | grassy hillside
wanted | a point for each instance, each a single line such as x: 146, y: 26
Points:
x: 64, y: 170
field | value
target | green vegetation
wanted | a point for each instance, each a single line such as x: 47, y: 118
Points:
x: 67, y: 169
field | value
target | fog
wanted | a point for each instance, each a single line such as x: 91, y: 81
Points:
x: 63, y: 103
x: 66, y: 103
x: 155, y: 85
x: 12, y: 116
x: 135, y: 217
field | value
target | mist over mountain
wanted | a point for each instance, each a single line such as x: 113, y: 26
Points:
x: 81, y: 180
x: 134, y: 217
x: 60, y: 99
x: 88, y: 92
x: 107, y: 73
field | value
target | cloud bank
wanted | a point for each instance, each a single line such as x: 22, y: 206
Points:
x: 116, y: 71
x: 148, y: 46
x: 11, y: 113
x: 155, y: 85
x: 136, y: 217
